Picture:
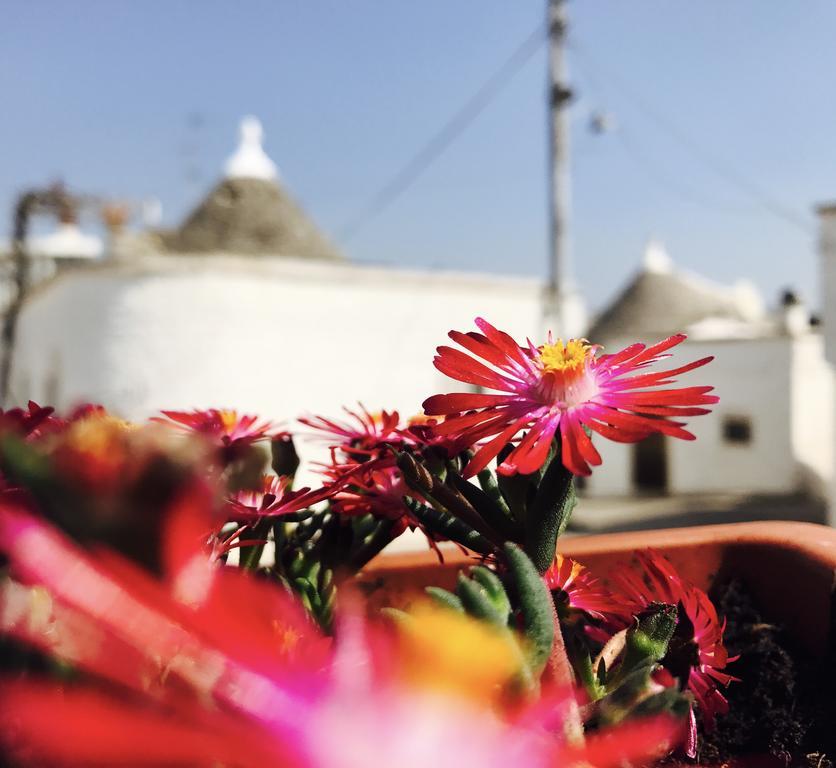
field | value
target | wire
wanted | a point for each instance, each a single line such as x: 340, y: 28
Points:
x: 640, y: 157
x: 406, y: 176
x: 684, y: 192
x: 721, y: 168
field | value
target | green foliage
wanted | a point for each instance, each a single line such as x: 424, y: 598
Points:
x: 444, y: 524
x: 593, y: 681
x: 496, y: 516
x: 529, y: 510
x: 482, y: 595
x: 628, y: 691
x: 311, y: 554
x: 648, y: 638
x: 535, y: 606
x: 284, y: 459
x: 477, y: 602
x: 445, y: 599
x: 548, y: 513
x: 520, y: 599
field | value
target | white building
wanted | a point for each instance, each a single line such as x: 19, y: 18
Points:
x: 248, y: 305
x: 65, y: 247
x: 827, y: 270
x: 772, y: 431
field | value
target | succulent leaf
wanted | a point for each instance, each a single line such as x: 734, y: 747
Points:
x: 445, y: 598
x: 549, y: 513
x: 536, y: 606
x: 449, y: 526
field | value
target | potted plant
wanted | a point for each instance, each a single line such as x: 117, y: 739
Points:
x: 168, y: 591
x: 783, y: 632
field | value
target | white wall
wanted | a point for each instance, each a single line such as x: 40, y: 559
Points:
x: 281, y: 338
x: 827, y: 274
x: 276, y: 337
x: 753, y: 379
x: 812, y: 414
x: 614, y: 476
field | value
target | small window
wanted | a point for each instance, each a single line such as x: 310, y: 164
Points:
x: 737, y: 430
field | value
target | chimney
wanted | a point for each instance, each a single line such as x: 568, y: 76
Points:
x: 795, y: 317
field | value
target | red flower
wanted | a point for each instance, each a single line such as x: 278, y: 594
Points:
x: 87, y: 411
x: 577, y: 589
x: 273, y: 499
x: 421, y: 432
x: 696, y: 654
x: 186, y: 672
x: 363, y: 435
x: 375, y: 488
x: 30, y: 423
x: 561, y: 387
x: 225, y: 425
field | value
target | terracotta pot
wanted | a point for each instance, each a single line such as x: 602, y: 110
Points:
x: 790, y: 568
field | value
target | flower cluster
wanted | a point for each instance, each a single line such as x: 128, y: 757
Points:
x: 207, y: 608
x: 363, y: 473
x: 362, y: 470
x: 695, y: 656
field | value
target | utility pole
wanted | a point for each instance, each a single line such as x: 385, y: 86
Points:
x: 565, y: 313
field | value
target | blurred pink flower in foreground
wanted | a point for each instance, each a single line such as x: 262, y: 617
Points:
x: 185, y: 671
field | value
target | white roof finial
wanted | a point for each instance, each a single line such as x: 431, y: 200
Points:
x: 250, y: 161
x: 656, y: 259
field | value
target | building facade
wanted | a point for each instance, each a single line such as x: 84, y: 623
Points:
x: 772, y: 431
x: 248, y: 305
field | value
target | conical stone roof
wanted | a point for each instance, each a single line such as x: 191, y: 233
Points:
x: 660, y: 301
x: 249, y: 212
x: 251, y: 216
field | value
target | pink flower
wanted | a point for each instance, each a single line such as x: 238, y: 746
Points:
x: 185, y: 671
x: 31, y: 422
x: 577, y: 589
x: 559, y: 387
x: 362, y: 435
x: 226, y: 426
x: 696, y: 654
x: 273, y: 499
x: 376, y: 489
x: 367, y: 435
x: 362, y: 476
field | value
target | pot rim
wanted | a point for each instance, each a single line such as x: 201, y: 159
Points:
x: 814, y: 541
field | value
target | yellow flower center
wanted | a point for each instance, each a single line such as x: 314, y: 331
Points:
x: 228, y: 419
x: 563, y: 358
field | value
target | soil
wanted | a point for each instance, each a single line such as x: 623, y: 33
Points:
x: 785, y: 703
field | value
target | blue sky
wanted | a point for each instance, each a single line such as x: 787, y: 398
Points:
x: 140, y: 99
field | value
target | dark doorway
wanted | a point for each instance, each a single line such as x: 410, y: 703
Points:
x: 650, y: 464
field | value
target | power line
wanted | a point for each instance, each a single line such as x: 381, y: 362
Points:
x: 672, y: 184
x: 406, y: 176
x: 633, y: 148
x: 720, y: 167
